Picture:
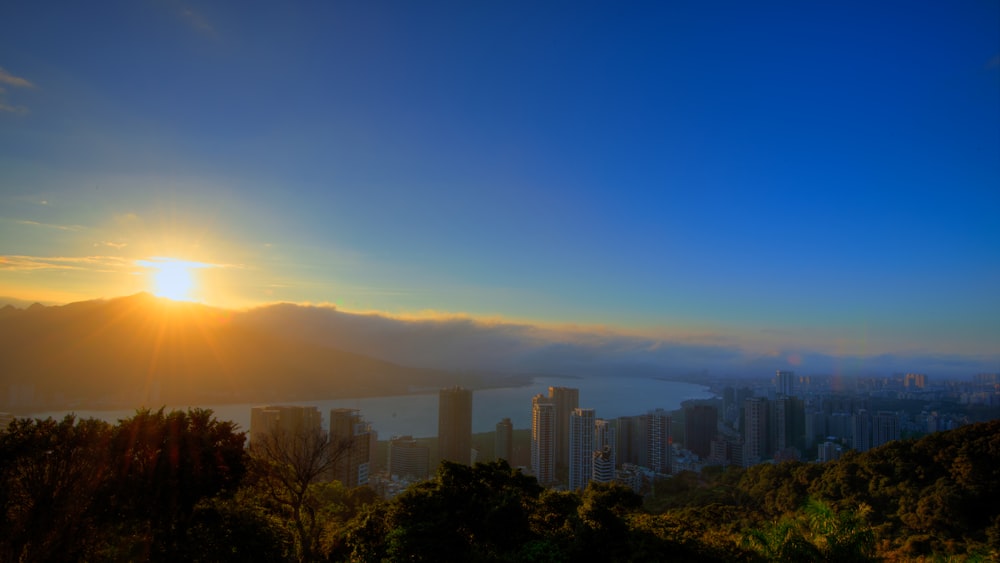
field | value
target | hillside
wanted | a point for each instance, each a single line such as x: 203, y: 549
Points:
x: 147, y: 349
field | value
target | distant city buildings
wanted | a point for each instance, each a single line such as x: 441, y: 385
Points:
x: 455, y: 425
x: 786, y: 383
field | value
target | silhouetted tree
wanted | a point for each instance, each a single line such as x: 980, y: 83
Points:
x: 290, y: 471
x: 162, y: 466
x: 50, y: 475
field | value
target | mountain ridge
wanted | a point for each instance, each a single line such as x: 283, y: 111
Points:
x: 150, y: 350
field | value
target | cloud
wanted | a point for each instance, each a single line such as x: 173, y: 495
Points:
x: 994, y: 62
x: 51, y: 225
x: 463, y: 343
x: 105, y: 264
x: 117, y: 245
x: 15, y: 81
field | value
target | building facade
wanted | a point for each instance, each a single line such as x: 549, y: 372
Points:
x: 565, y: 400
x: 503, y: 446
x: 658, y: 441
x: 455, y: 425
x: 543, y: 420
x: 351, y: 443
x: 581, y: 448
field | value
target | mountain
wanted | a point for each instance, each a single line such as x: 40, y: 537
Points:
x: 144, y: 349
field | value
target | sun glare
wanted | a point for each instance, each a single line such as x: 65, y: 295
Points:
x: 172, y: 278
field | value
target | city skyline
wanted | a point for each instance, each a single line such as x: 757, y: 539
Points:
x: 740, y: 183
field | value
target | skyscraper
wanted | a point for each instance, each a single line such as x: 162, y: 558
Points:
x: 700, y: 426
x: 658, y: 441
x: 455, y: 425
x: 756, y: 431
x: 504, y: 442
x: 581, y: 447
x: 543, y: 420
x: 565, y: 400
x: 351, y: 437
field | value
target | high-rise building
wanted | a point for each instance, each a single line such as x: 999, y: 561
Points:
x: 756, y: 432
x: 631, y: 442
x: 565, y: 400
x: 862, y: 430
x: 787, y: 424
x: 581, y: 447
x: 701, y: 424
x: 658, y: 441
x: 604, y: 465
x: 351, y: 439
x: 871, y: 431
x: 625, y: 453
x: 284, y: 422
x: 407, y: 458
x: 605, y: 458
x: 885, y: 428
x: 786, y: 383
x: 504, y: 441
x: 455, y: 425
x: 543, y: 420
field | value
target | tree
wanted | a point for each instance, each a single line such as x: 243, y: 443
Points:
x: 288, y: 470
x: 50, y: 475
x: 162, y: 466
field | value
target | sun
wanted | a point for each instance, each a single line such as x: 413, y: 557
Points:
x: 174, y: 281
x: 173, y: 278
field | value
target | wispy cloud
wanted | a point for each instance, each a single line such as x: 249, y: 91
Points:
x: 15, y: 81
x: 104, y: 264
x: 50, y: 225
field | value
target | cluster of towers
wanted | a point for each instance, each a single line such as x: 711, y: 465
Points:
x: 572, y: 441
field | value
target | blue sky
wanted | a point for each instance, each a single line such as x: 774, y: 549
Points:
x: 789, y: 174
